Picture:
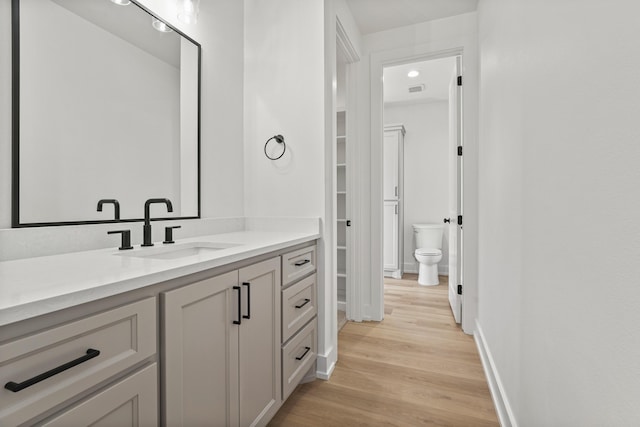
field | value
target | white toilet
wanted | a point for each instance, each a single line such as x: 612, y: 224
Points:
x: 428, y: 252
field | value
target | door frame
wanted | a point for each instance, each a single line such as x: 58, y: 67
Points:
x: 345, y: 47
x: 380, y: 60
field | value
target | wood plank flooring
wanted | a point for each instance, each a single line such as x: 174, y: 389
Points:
x: 415, y: 368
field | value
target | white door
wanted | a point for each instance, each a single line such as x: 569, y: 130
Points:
x: 200, y: 352
x: 260, y: 360
x: 390, y: 236
x: 455, y: 193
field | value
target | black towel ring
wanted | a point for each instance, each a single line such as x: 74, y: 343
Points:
x: 280, y: 140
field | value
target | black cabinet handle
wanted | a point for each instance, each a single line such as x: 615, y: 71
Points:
x: 248, y: 285
x: 306, y: 301
x: 306, y: 350
x: 299, y: 263
x: 15, y: 387
x: 239, y: 321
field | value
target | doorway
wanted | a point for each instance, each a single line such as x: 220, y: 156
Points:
x: 422, y: 170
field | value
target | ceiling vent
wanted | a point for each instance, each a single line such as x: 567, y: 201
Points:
x: 416, y: 88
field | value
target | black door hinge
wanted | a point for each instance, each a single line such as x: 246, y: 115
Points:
x: 459, y: 219
x: 459, y: 289
x: 459, y: 80
x: 459, y: 150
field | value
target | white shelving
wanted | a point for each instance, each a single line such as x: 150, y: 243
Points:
x: 341, y: 200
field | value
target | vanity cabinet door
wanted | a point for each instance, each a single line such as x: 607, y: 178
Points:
x: 260, y: 356
x: 200, y: 353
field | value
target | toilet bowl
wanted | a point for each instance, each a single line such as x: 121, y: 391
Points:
x: 428, y: 260
x: 428, y: 253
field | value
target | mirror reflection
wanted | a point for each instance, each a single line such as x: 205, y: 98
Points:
x: 108, y: 108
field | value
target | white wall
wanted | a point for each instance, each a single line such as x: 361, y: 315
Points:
x: 559, y: 210
x: 426, y: 171
x: 221, y: 34
x: 283, y: 94
x: 5, y: 113
x: 416, y: 42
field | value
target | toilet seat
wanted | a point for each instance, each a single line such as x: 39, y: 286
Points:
x: 428, y: 251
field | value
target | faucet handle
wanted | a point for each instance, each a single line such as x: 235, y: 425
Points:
x: 126, y: 238
x: 168, y: 234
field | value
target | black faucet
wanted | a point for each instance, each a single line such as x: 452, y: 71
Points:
x: 116, y: 206
x: 146, y: 229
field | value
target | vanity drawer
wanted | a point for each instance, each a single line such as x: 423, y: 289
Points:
x: 298, y: 264
x: 298, y: 355
x: 91, y: 350
x: 299, y: 305
x: 132, y: 401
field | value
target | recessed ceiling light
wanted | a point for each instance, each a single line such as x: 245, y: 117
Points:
x: 160, y: 26
x: 413, y: 73
x: 121, y: 2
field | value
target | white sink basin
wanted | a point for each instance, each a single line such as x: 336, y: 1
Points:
x: 176, y: 251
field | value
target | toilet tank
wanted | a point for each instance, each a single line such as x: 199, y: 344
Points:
x: 428, y: 235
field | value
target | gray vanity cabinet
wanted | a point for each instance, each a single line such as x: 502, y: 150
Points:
x: 221, y: 355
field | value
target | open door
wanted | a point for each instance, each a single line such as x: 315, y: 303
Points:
x: 455, y: 192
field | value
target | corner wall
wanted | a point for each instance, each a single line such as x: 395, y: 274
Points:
x: 559, y: 247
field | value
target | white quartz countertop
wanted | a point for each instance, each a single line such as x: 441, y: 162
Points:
x: 34, y: 286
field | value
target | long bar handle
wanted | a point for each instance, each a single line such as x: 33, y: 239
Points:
x: 306, y: 301
x: 239, y: 321
x: 300, y: 263
x: 248, y: 285
x: 306, y: 350
x: 15, y: 387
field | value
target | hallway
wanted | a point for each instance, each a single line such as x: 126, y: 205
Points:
x: 414, y: 368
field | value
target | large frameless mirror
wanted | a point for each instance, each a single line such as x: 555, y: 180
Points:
x: 106, y: 105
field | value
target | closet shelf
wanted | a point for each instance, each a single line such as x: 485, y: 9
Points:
x: 342, y: 248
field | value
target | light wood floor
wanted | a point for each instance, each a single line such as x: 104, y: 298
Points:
x: 414, y: 368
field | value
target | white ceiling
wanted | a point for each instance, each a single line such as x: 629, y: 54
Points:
x: 434, y: 74
x: 380, y: 15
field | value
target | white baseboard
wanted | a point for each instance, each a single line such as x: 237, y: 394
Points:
x: 326, y: 363
x: 503, y: 408
x: 411, y: 267
x: 443, y: 270
x: 396, y: 274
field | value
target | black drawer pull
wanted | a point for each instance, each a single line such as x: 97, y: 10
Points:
x: 306, y: 350
x: 248, y: 315
x: 299, y: 263
x: 306, y: 301
x: 15, y: 387
x: 239, y: 321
